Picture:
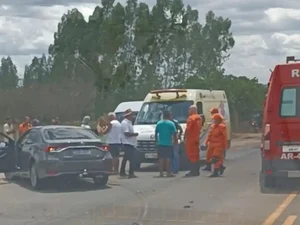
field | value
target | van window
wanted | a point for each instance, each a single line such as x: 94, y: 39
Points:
x: 288, y: 106
x: 151, y: 112
x: 199, y: 107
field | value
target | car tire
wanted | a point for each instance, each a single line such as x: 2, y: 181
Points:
x: 101, y: 180
x: 266, y: 183
x: 35, y: 181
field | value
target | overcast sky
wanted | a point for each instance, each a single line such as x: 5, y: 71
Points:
x: 266, y: 31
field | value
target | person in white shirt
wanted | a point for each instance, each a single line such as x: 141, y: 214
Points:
x: 8, y: 129
x: 129, y: 144
x: 86, y: 122
x: 113, y: 132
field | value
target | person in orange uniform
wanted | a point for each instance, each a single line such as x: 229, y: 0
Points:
x: 25, y: 126
x: 192, y: 136
x: 209, y: 152
x: 217, y: 143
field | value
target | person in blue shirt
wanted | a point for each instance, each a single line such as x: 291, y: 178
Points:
x: 165, y: 137
x: 175, y: 160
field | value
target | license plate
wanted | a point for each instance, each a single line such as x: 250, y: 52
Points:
x: 151, y: 155
x: 81, y: 152
x: 291, y: 148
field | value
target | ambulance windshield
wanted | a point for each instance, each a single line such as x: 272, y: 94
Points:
x: 151, y: 112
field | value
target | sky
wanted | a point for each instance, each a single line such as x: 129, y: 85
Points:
x: 265, y: 31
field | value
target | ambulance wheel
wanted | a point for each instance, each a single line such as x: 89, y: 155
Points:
x: 267, y: 183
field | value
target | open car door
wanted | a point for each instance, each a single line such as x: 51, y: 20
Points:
x: 7, y: 154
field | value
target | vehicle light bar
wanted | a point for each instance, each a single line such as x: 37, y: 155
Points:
x: 291, y: 59
x: 157, y: 92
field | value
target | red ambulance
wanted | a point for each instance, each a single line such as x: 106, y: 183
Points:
x: 280, y: 146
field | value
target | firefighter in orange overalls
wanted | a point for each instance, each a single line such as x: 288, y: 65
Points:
x: 192, y: 136
x: 209, y: 151
x: 217, y: 143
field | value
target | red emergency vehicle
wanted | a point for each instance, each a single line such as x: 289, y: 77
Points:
x: 280, y: 145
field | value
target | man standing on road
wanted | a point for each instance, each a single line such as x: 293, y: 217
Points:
x: 8, y: 129
x: 209, y: 152
x: 25, y: 126
x: 166, y: 138
x: 113, y: 134
x: 192, y: 136
x: 217, y: 142
x: 129, y: 143
x: 179, y: 132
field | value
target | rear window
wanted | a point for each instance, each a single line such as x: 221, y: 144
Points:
x: 61, y: 133
x: 290, y: 106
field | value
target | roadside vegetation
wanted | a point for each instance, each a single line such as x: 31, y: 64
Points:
x: 121, y: 53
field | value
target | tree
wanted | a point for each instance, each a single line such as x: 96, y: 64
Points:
x: 8, y: 74
x: 38, y: 71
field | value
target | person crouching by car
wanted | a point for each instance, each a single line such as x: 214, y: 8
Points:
x: 113, y: 133
x: 25, y: 126
x: 86, y: 122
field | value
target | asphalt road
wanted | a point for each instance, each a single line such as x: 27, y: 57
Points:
x: 232, y: 199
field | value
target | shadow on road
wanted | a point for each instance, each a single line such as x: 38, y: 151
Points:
x: 285, y: 186
x: 58, y: 186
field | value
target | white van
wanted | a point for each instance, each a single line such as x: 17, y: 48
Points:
x: 178, y: 102
x: 135, y: 106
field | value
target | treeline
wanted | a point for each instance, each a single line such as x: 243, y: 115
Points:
x: 127, y: 50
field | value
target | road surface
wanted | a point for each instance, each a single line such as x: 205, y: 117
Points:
x: 232, y: 199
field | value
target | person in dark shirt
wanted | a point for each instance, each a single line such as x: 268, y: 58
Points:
x: 175, y: 159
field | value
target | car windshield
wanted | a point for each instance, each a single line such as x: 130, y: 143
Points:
x: 61, y: 133
x: 151, y: 112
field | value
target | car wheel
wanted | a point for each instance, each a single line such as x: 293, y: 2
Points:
x: 267, y: 183
x: 101, y: 180
x: 35, y: 181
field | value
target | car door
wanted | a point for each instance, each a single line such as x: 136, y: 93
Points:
x: 28, y: 145
x: 7, y: 154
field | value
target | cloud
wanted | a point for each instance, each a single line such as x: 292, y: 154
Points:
x: 265, y: 31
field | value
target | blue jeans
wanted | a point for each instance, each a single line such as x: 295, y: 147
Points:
x: 175, y: 159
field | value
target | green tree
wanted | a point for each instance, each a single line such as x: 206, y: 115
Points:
x: 67, y: 41
x: 38, y: 71
x: 8, y: 74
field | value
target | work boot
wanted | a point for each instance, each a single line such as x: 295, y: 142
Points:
x: 207, y: 167
x: 194, y: 170
x: 222, y: 169
x: 215, y: 173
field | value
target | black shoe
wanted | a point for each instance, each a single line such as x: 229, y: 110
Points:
x: 222, y: 169
x: 192, y: 174
x: 131, y: 176
x: 215, y: 173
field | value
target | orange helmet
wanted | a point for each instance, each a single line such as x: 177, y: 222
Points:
x: 217, y: 116
x: 214, y: 110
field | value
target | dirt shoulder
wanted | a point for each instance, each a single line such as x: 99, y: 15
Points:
x: 247, y: 140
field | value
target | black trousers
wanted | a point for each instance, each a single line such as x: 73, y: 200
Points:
x: 129, y: 155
